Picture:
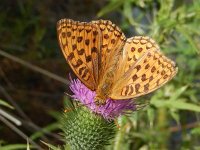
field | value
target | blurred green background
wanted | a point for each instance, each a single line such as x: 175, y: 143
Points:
x: 34, y: 73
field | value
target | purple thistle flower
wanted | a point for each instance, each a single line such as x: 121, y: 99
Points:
x: 112, y: 108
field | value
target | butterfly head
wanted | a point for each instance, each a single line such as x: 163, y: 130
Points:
x: 99, y: 101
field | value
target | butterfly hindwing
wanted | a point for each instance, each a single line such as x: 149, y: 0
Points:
x: 149, y: 69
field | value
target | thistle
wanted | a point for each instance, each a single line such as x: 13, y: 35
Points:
x: 111, y: 110
x: 90, y: 127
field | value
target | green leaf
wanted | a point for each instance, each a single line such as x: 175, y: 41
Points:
x: 151, y: 116
x: 48, y: 128
x: 3, y: 103
x: 139, y: 135
x: 51, y: 147
x: 175, y: 115
x: 113, y: 5
x: 180, y: 104
x: 28, y: 146
x: 196, y: 131
x: 158, y: 103
x: 127, y: 11
x: 14, y: 147
x: 178, y: 93
x: 189, y: 38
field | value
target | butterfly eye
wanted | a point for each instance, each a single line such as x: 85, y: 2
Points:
x: 99, y: 101
x: 105, y: 87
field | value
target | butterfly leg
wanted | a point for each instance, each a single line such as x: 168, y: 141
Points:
x: 72, y: 109
x: 117, y: 124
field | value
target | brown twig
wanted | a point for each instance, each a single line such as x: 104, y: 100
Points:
x: 27, y: 121
x: 183, y: 127
x: 21, y: 113
x: 2, y: 74
x: 19, y: 132
x: 33, y: 67
x: 9, y: 98
x: 34, y: 93
x: 31, y: 125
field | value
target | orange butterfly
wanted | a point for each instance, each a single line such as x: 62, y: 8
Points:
x: 108, y: 63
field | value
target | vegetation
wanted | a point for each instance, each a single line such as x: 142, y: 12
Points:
x: 172, y: 119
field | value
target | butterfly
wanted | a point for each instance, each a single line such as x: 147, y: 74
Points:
x: 110, y: 64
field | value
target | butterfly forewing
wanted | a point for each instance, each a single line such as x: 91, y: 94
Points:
x: 112, y: 42
x: 80, y: 43
x: 149, y: 70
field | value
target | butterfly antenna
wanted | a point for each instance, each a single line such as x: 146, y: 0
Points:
x: 71, y: 96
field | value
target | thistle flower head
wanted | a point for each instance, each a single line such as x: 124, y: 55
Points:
x: 112, y: 108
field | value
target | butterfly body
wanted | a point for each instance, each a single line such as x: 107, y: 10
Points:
x: 110, y: 64
x: 103, y: 91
